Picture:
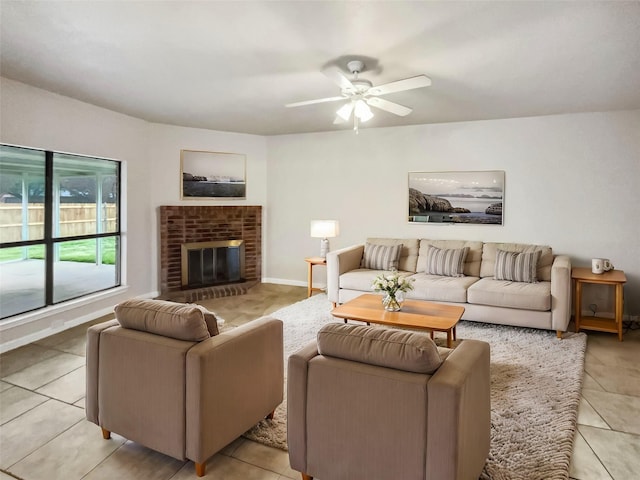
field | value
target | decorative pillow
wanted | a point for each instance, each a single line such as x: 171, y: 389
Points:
x: 517, y: 267
x: 399, y: 349
x: 210, y: 319
x: 381, y: 257
x: 169, y: 319
x: 448, y: 262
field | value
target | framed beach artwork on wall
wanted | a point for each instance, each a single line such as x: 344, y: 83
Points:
x: 456, y: 197
x: 212, y: 175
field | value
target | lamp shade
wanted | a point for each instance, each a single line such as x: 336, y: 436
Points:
x: 324, y: 228
x: 344, y: 111
x: 362, y: 111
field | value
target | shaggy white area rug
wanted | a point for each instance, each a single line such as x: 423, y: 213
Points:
x: 536, y: 381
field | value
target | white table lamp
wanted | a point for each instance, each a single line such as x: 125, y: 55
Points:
x: 324, y: 229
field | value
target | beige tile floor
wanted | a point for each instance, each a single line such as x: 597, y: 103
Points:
x: 43, y: 433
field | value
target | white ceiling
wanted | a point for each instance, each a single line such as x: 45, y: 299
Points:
x: 232, y: 66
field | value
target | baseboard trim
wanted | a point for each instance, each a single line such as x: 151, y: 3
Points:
x: 285, y: 281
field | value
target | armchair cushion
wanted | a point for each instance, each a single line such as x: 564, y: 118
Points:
x: 169, y: 319
x: 398, y: 349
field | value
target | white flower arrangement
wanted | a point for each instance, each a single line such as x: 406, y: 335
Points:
x: 391, y: 283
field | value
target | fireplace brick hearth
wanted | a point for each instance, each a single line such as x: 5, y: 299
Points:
x: 189, y: 224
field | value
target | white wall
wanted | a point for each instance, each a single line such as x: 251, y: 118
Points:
x: 165, y: 143
x: 572, y: 181
x: 150, y: 153
x: 36, y: 118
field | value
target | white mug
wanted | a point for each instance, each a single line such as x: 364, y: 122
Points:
x: 601, y: 265
x: 597, y: 266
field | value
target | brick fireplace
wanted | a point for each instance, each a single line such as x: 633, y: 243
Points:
x: 186, y: 224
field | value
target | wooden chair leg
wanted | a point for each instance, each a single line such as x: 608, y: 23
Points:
x: 200, y: 469
x: 271, y: 415
x: 106, y: 434
x: 559, y: 334
x: 306, y: 477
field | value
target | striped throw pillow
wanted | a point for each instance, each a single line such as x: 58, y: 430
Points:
x: 381, y: 257
x: 448, y: 262
x: 517, y: 267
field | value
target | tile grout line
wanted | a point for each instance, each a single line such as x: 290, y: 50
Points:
x: 597, y: 413
x: 46, y: 443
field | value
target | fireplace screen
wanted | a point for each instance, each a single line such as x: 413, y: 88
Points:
x: 212, y: 263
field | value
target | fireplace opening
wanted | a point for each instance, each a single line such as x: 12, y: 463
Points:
x: 212, y: 263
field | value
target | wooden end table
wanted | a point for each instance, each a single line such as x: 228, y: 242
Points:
x: 617, y: 279
x: 311, y: 261
x: 418, y: 314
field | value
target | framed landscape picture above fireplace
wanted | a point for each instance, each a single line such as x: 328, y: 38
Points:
x: 212, y: 175
x: 456, y: 197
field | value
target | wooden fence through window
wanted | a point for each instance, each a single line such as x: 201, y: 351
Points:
x: 75, y: 219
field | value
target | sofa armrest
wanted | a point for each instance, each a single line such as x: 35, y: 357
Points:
x: 560, y: 293
x: 339, y: 262
x: 92, y: 361
x: 234, y: 380
x: 297, y: 380
x: 459, y: 413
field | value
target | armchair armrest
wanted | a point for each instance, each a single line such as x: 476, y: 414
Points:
x: 560, y: 293
x: 339, y: 262
x: 93, y: 357
x: 297, y: 372
x: 459, y: 413
x: 234, y: 380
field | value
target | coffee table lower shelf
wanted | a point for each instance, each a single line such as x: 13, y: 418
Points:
x: 418, y: 314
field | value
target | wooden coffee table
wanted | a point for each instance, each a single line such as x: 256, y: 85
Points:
x: 419, y: 314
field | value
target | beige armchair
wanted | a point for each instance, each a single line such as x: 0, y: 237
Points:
x: 381, y: 404
x: 166, y: 383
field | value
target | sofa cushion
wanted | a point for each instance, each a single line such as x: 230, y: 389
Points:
x: 489, y: 258
x: 409, y: 254
x: 446, y: 261
x: 471, y: 263
x: 438, y: 288
x: 517, y: 267
x: 169, y: 319
x: 381, y: 257
x: 384, y: 347
x: 503, y: 293
x: 362, y: 279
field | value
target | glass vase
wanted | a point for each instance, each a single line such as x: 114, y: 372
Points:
x: 392, y: 302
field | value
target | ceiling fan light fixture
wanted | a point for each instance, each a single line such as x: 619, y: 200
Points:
x: 362, y: 111
x: 344, y: 111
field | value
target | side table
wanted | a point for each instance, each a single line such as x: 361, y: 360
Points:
x: 311, y: 261
x: 615, y: 278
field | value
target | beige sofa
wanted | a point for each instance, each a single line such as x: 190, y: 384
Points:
x: 165, y: 382
x: 376, y: 403
x: 545, y: 304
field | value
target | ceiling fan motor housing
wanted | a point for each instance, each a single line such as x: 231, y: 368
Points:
x: 360, y: 86
x: 355, y: 66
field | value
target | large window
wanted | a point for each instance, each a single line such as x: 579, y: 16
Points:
x: 59, y: 227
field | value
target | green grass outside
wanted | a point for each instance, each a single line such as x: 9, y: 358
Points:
x: 75, y: 251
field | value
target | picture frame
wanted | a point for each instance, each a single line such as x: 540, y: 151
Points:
x: 212, y: 175
x: 464, y: 197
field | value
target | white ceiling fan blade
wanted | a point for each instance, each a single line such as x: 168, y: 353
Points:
x: 401, y: 85
x: 311, y: 102
x: 388, y: 106
x: 339, y: 120
x: 336, y: 76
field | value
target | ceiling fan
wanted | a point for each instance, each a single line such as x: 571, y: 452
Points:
x: 361, y: 94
